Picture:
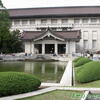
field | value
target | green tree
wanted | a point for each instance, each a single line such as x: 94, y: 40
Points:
x: 9, y: 41
x: 15, y: 43
x: 4, y: 28
x: 1, y: 3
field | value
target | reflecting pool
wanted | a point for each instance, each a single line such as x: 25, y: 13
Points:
x: 45, y: 71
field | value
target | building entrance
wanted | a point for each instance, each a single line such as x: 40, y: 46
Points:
x: 49, y: 49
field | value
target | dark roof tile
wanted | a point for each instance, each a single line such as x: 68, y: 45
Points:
x: 55, y: 11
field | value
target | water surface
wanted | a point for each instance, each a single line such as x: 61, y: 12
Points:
x: 45, y: 71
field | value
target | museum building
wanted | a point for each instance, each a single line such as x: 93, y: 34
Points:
x: 58, y: 30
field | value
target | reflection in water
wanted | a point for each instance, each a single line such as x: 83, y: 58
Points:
x: 45, y: 71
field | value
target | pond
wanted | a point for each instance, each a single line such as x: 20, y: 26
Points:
x: 45, y: 71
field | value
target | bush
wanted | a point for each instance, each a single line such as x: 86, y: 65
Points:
x: 75, y: 60
x: 88, y: 72
x: 12, y: 83
x: 81, y: 61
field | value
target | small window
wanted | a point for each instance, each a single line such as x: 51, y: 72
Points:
x: 85, y: 20
x: 94, y: 35
x: 64, y: 21
x: 43, y: 29
x: 64, y: 29
x: 32, y: 21
x: 53, y: 21
x: 85, y: 35
x: 54, y: 29
x: 94, y: 44
x: 77, y: 21
x: 24, y: 22
x: 43, y: 21
x: 16, y: 22
x: 85, y: 44
x: 93, y: 20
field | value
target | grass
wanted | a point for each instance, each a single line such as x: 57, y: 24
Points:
x: 57, y: 95
x: 94, y: 84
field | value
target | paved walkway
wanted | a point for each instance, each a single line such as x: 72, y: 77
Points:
x: 28, y: 94
x: 67, y: 76
x: 49, y: 90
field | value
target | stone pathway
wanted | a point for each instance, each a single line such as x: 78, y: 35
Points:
x: 49, y: 90
x: 29, y: 94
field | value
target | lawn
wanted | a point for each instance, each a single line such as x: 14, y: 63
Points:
x: 94, y: 84
x: 57, y: 95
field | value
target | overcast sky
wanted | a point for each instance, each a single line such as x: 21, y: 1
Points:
x: 48, y: 3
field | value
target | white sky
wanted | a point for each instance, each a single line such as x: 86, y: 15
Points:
x: 48, y: 3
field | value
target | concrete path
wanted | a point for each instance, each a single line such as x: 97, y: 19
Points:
x: 79, y: 89
x: 67, y: 76
x: 49, y: 90
x: 29, y: 94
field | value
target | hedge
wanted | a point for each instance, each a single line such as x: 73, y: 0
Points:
x: 12, y: 83
x: 81, y: 61
x: 76, y: 59
x: 88, y: 72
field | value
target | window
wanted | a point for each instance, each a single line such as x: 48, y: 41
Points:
x: 24, y: 22
x: 53, y: 21
x: 85, y: 44
x: 76, y: 20
x: 54, y: 29
x: 32, y: 21
x: 43, y: 21
x: 93, y: 20
x: 85, y: 20
x: 94, y: 44
x: 85, y: 35
x: 16, y: 22
x: 64, y: 21
x: 43, y: 29
x: 94, y: 35
x: 64, y: 29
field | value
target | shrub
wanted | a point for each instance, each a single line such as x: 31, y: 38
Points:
x: 81, y: 61
x: 75, y: 60
x: 89, y: 72
x: 12, y: 83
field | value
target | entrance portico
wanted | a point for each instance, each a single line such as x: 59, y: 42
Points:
x: 47, y: 48
x: 50, y: 42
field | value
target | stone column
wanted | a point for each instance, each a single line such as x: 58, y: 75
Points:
x: 67, y: 48
x: 56, y: 48
x: 32, y: 49
x: 43, y: 48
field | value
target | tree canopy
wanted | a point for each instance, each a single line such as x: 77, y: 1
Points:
x: 8, y: 39
x: 1, y: 4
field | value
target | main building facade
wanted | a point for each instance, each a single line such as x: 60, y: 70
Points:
x: 59, y: 30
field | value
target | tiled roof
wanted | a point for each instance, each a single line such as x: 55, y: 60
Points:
x: 66, y: 35
x: 55, y: 11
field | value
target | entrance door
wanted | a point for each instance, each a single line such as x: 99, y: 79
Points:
x: 61, y: 48
x: 49, y: 48
x: 38, y: 48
